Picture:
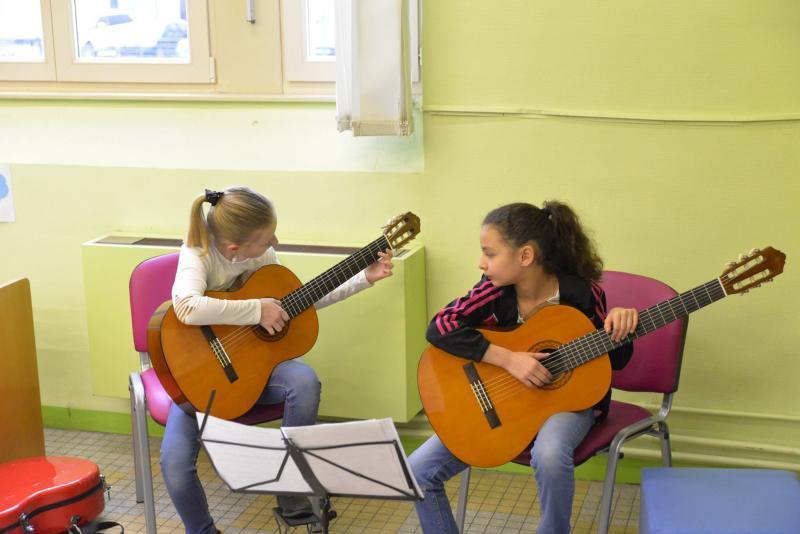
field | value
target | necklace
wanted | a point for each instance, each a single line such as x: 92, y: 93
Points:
x: 553, y: 294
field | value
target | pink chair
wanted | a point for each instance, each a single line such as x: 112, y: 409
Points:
x: 150, y: 286
x: 655, y: 367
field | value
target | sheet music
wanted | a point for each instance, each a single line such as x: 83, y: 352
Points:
x: 379, y: 462
x: 242, y: 465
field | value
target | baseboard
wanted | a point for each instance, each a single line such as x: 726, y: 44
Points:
x: 93, y: 421
x: 687, y: 449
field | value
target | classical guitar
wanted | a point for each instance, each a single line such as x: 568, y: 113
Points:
x: 237, y: 361
x: 485, y: 416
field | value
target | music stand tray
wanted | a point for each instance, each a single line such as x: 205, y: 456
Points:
x: 352, y: 459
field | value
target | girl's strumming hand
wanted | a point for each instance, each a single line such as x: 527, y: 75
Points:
x: 273, y: 317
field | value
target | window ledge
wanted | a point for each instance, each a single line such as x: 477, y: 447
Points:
x: 164, y: 96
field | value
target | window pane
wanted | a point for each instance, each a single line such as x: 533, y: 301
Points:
x: 21, y: 34
x: 321, y: 45
x: 151, y: 31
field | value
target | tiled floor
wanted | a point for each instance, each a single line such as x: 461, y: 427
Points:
x: 499, y: 502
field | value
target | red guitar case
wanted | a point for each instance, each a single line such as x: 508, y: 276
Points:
x: 48, y: 494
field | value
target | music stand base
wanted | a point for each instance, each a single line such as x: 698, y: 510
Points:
x: 305, y: 519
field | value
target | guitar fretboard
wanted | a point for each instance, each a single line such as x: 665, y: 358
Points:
x: 306, y: 295
x: 590, y: 346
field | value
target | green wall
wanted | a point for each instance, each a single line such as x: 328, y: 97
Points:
x: 673, y: 128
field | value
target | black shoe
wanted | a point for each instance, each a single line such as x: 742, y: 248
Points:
x: 294, y: 506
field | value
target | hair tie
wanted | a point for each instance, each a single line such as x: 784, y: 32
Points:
x: 548, y: 213
x: 213, y: 197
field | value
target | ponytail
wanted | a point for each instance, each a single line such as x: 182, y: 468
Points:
x: 198, y: 228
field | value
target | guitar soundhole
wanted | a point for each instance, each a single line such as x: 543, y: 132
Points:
x: 263, y: 335
x: 549, y: 346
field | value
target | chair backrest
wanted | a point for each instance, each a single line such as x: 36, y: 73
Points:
x: 656, y: 362
x: 150, y: 286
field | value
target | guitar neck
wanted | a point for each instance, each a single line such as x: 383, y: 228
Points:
x: 597, y: 343
x: 306, y: 295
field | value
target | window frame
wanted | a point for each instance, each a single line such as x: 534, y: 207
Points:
x: 71, y: 69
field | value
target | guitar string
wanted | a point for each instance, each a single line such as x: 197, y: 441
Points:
x: 367, y: 256
x: 229, y: 340
x: 499, y: 388
x: 514, y: 389
x: 326, y: 277
x: 597, y: 339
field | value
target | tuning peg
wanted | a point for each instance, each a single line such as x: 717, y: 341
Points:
x: 754, y: 251
x: 730, y: 264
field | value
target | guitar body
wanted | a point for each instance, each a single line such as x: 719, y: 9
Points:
x: 456, y: 413
x: 189, y: 369
x: 48, y: 494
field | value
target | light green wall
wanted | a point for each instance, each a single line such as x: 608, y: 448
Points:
x: 674, y: 129
x: 508, y: 91
x: 708, y: 58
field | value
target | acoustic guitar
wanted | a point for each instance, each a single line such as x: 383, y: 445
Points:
x: 485, y: 416
x: 237, y: 361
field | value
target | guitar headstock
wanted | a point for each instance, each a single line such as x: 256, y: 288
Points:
x: 752, y: 270
x: 401, y: 229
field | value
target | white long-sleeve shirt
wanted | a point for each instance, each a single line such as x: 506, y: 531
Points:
x: 213, y: 272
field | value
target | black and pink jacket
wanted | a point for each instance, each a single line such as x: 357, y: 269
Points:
x: 453, y: 329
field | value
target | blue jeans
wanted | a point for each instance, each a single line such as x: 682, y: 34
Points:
x: 292, y: 382
x: 551, y: 459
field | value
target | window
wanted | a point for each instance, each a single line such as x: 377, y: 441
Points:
x: 25, y: 42
x: 163, y: 48
x: 132, y: 41
x: 21, y: 31
x: 309, y: 47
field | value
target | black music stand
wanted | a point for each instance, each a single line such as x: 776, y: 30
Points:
x: 352, y: 459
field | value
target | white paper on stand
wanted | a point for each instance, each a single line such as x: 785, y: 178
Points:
x: 379, y: 462
x: 248, y: 457
x: 241, y: 462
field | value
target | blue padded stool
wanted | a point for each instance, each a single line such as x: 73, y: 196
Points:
x: 719, y: 501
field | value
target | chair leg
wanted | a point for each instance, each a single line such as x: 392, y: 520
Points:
x: 666, y: 447
x: 134, y: 384
x: 463, y: 495
x: 608, y: 486
x: 144, y: 474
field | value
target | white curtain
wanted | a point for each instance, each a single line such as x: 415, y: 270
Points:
x: 373, y: 81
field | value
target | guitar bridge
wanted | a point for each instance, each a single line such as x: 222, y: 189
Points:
x: 219, y: 351
x: 481, y: 395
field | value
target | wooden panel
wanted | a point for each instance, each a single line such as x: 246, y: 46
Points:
x: 20, y: 409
